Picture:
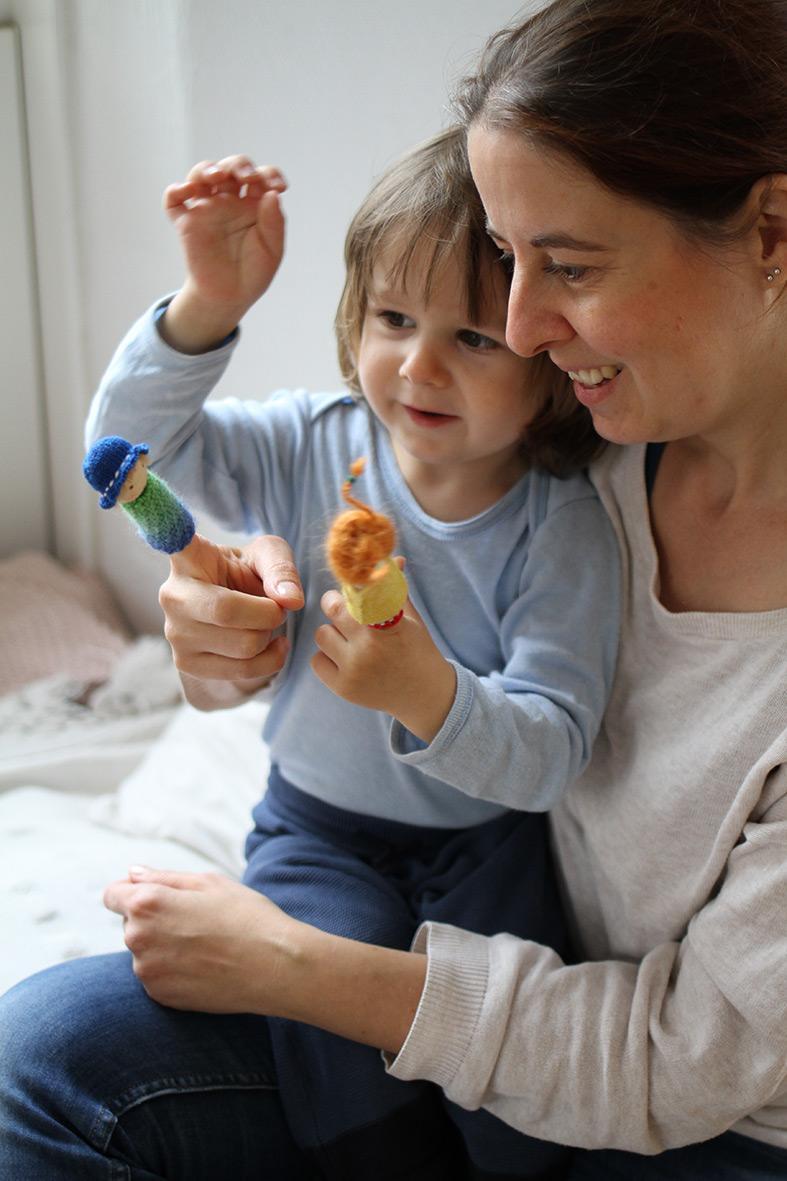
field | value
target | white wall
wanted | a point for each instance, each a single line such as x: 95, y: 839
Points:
x: 24, y: 485
x: 123, y: 96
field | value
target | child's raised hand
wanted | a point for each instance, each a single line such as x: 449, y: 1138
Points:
x: 231, y: 227
x: 398, y: 670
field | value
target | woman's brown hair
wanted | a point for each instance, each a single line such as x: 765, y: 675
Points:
x: 681, y: 104
x: 427, y: 200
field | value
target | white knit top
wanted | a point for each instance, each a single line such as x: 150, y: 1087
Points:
x: 673, y: 852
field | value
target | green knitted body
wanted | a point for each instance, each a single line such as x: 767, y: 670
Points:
x: 163, y: 520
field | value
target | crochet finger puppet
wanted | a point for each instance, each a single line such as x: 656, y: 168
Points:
x: 359, y: 544
x: 119, y: 471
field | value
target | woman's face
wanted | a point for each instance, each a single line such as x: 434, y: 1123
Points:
x: 665, y: 339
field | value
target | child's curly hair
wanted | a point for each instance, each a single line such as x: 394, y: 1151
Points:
x: 428, y: 199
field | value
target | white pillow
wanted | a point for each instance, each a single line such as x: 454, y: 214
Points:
x: 197, y: 784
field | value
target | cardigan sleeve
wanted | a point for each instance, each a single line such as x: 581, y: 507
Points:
x: 641, y: 1056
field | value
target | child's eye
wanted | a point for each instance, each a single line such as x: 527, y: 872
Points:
x: 476, y: 340
x: 571, y: 274
x: 395, y: 319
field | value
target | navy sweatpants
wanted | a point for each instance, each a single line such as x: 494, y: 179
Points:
x: 375, y: 881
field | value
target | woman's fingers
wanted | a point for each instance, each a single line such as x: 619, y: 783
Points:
x: 215, y: 631
x: 236, y: 643
x: 206, y: 665
x: 200, y: 602
x: 177, y: 879
x: 273, y: 561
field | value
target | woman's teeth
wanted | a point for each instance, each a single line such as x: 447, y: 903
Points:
x: 594, y: 376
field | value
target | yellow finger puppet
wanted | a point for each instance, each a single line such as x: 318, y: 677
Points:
x: 360, y: 544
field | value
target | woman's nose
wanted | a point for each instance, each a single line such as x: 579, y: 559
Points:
x: 533, y: 322
x: 423, y: 365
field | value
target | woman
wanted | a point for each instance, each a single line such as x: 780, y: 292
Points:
x: 631, y: 156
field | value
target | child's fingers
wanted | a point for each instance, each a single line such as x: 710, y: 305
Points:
x: 238, y: 165
x: 176, y: 196
x: 238, y: 171
x: 334, y: 608
x: 244, y: 168
x: 270, y: 225
x: 243, y: 171
x: 321, y: 662
x: 200, y: 171
x: 330, y: 642
x: 273, y: 178
x: 324, y: 669
x: 207, y: 179
x: 411, y: 613
x: 236, y: 175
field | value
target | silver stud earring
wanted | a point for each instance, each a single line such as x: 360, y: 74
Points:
x: 772, y: 274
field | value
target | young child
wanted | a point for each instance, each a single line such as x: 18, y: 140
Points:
x: 481, y: 705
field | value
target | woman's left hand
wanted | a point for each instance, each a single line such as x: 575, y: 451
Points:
x: 203, y: 942
x: 398, y: 670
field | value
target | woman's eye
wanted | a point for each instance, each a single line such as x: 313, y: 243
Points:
x: 476, y: 340
x: 395, y: 319
x: 572, y: 274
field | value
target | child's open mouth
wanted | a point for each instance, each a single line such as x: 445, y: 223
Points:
x: 429, y: 417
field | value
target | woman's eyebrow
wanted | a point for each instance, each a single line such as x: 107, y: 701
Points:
x: 564, y: 242
x: 552, y: 241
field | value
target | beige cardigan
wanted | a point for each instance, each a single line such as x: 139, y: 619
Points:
x: 673, y: 852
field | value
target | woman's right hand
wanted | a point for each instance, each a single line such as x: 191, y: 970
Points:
x: 222, y: 607
x: 231, y: 228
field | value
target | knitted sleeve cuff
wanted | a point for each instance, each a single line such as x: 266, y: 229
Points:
x: 409, y: 749
x: 450, y: 1007
x: 158, y: 315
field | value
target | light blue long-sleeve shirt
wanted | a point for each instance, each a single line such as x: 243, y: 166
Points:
x: 524, y: 599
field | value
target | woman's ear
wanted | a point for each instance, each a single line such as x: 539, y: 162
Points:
x: 770, y: 194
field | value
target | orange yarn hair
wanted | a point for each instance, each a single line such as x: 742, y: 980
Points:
x: 358, y: 539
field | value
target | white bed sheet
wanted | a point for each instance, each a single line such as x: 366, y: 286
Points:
x: 56, y: 862
x: 137, y: 779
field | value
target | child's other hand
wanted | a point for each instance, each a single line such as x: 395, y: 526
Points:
x: 399, y: 670
x: 231, y: 227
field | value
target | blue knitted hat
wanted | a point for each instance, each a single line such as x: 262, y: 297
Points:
x: 107, y: 464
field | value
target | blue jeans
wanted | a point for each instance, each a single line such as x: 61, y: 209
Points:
x: 99, y: 1083
x: 376, y: 880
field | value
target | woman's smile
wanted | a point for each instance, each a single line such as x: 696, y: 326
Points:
x: 658, y: 333
x: 592, y: 393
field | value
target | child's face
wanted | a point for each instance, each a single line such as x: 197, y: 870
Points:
x: 451, y: 394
